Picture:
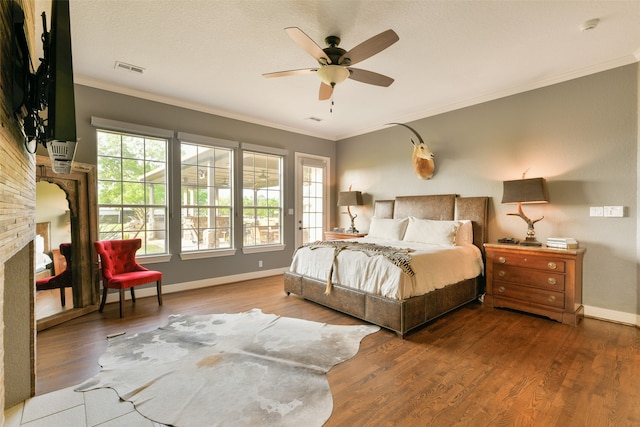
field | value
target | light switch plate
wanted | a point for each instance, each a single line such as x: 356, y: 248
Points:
x: 614, y: 211
x: 596, y: 211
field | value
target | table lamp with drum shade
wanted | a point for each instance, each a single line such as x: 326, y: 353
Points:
x: 348, y: 199
x: 526, y: 191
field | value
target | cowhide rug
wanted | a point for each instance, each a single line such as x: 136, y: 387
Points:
x: 244, y: 369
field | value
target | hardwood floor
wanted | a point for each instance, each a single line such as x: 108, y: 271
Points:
x: 48, y: 302
x: 476, y: 366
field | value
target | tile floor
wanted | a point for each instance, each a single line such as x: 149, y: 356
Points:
x: 68, y: 408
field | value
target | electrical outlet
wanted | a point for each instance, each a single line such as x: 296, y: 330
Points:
x: 614, y: 211
x: 260, y: 263
x: 596, y: 211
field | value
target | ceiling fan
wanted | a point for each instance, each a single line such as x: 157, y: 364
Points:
x: 335, y: 62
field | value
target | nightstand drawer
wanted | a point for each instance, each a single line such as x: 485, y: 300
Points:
x: 529, y: 295
x: 537, y: 278
x: 530, y: 261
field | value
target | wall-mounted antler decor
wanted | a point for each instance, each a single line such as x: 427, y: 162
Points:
x: 422, y: 156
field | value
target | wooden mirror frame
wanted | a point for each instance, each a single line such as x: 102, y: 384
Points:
x: 79, y: 187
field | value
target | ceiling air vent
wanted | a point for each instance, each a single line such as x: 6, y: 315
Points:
x: 128, y: 67
x: 314, y: 119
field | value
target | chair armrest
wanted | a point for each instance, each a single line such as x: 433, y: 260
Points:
x: 141, y: 268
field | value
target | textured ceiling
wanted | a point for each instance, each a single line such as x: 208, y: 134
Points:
x: 210, y: 55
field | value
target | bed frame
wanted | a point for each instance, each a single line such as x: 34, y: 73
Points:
x: 401, y: 316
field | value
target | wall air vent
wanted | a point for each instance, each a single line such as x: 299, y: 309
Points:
x: 128, y: 67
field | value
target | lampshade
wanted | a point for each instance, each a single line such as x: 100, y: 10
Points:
x: 333, y: 74
x: 533, y: 190
x: 349, y: 198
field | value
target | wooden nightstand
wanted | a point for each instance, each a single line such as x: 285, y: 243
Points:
x: 538, y: 280
x: 337, y: 235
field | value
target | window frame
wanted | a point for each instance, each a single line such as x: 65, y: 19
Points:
x: 141, y: 131
x: 205, y: 141
x: 267, y: 151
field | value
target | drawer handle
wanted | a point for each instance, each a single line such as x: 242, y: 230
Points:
x: 551, y: 298
x: 552, y: 281
x: 552, y: 265
x: 502, y: 260
x: 501, y: 289
x: 501, y: 273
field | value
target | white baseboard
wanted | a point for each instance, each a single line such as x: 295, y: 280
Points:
x: 113, y: 296
x: 612, y: 315
x: 589, y: 311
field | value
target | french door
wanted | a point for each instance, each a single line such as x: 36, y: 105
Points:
x: 312, y: 197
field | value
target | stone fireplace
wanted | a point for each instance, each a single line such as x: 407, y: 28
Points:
x: 17, y: 232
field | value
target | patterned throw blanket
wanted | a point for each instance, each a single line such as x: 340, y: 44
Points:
x: 399, y: 257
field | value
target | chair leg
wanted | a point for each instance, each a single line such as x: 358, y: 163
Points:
x: 133, y: 295
x: 121, y: 298
x: 104, y: 298
x: 159, y: 287
x: 62, y: 296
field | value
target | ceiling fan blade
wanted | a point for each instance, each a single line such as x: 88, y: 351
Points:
x: 290, y: 72
x: 370, y: 77
x: 305, y: 42
x: 325, y: 92
x: 369, y: 47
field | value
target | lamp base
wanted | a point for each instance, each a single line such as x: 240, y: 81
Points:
x: 530, y: 241
x: 352, y: 229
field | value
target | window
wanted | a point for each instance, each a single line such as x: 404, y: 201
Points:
x: 261, y: 199
x: 132, y: 189
x: 207, y: 197
x: 313, y: 202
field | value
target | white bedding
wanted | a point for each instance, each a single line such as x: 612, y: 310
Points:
x: 42, y: 260
x: 435, y: 266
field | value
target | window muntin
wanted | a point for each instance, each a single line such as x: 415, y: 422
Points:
x: 206, y: 197
x: 132, y: 189
x: 261, y: 199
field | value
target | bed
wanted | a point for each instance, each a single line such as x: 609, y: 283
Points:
x: 407, y: 308
x: 42, y: 253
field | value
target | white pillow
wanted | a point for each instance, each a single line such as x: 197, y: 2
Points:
x: 39, y: 240
x: 465, y: 233
x: 387, y: 228
x: 433, y: 232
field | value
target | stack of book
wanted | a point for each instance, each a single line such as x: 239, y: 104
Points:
x: 562, y: 243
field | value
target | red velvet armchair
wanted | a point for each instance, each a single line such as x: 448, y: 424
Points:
x: 121, y: 271
x: 61, y: 280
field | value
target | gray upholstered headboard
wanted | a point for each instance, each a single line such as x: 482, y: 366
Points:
x: 440, y: 207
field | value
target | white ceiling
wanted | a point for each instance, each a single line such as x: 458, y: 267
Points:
x: 210, y: 55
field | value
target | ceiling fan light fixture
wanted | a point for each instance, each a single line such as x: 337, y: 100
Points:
x: 333, y: 74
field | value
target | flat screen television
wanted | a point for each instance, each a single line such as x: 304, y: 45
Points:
x: 49, y: 91
x: 61, y: 120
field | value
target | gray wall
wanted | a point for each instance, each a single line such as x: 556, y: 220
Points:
x: 581, y: 135
x: 94, y: 102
